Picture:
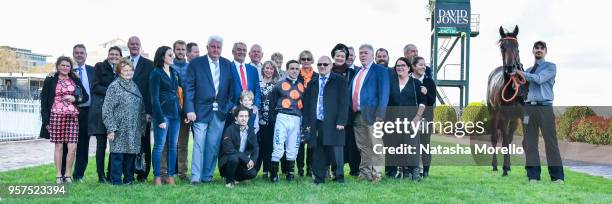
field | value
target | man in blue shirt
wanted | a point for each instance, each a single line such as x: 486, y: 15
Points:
x: 539, y: 116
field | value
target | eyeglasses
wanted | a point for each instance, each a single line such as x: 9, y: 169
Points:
x: 322, y: 64
x: 293, y: 68
x: 305, y: 59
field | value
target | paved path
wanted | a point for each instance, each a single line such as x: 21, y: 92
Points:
x: 581, y: 157
x: 21, y: 154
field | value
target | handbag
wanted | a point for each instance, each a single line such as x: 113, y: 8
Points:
x: 139, y: 163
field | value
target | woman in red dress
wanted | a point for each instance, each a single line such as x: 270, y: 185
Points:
x: 59, y: 98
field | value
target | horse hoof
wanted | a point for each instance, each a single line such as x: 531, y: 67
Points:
x: 505, y: 173
x: 494, y: 168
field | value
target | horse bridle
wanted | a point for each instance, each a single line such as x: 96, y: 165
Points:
x: 515, y: 79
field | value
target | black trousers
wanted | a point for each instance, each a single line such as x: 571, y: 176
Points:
x: 146, y: 148
x: 351, y: 153
x: 265, y: 136
x: 100, y: 156
x: 122, y: 163
x: 541, y: 118
x: 82, y: 150
x: 325, y: 156
x: 236, y: 170
x: 425, y: 139
x: 304, y: 154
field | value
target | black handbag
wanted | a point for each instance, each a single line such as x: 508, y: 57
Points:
x: 139, y: 163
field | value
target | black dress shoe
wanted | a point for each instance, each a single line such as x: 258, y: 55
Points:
x: 354, y: 173
x: 289, y: 177
x: 103, y: 180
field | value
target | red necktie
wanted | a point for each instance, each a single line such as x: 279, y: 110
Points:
x: 243, y: 79
x: 356, y: 91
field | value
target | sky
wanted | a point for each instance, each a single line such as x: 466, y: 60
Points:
x: 573, y: 34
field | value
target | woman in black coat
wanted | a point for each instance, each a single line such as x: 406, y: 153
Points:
x: 351, y: 154
x: 405, y: 101
x: 418, y: 67
x: 103, y: 76
x: 60, y: 121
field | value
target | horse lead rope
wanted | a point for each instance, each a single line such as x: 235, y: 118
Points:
x: 517, y: 80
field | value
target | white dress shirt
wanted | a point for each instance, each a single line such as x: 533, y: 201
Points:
x: 367, y: 69
x: 215, y: 73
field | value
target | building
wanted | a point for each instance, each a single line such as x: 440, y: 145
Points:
x: 100, y: 52
x: 26, y: 59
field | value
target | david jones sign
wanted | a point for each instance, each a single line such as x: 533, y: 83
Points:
x: 452, y: 15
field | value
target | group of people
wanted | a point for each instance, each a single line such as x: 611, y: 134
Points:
x: 266, y: 116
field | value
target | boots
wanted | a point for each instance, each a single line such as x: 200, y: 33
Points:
x: 415, y: 174
x: 425, y: 171
x: 274, y: 172
x: 405, y: 172
x: 290, y: 167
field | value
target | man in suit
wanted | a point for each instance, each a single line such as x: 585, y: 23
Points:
x: 369, y: 97
x: 192, y: 51
x: 246, y: 77
x: 410, y: 51
x: 142, y: 69
x: 382, y: 57
x: 256, y: 54
x: 209, y: 97
x: 239, y: 150
x: 328, y: 99
x: 79, y: 52
x: 351, y: 153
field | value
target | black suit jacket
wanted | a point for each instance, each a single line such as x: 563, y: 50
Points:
x: 231, y: 145
x: 103, y: 76
x: 335, y: 101
x: 89, y: 70
x: 141, y: 78
x: 47, y: 97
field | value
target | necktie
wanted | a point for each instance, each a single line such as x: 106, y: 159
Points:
x: 215, y: 73
x: 79, y: 70
x: 320, y: 101
x: 133, y: 65
x: 357, y: 88
x: 243, y: 79
x: 535, y: 67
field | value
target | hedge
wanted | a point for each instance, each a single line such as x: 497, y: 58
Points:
x: 476, y: 112
x: 444, y: 113
x: 593, y: 130
x: 569, y: 118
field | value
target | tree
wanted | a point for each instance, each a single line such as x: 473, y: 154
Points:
x: 8, y: 61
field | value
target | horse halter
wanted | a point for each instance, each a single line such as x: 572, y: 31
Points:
x: 516, y: 79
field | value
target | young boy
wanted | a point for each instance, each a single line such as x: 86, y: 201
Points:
x: 246, y: 100
x: 286, y: 103
x: 239, y: 150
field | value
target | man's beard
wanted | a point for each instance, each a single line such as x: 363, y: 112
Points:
x: 383, y: 62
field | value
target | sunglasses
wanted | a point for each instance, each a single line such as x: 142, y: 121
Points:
x: 305, y: 59
x: 322, y: 64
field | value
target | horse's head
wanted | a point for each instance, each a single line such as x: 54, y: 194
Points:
x: 508, y: 45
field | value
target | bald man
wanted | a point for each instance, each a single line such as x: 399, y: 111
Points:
x: 327, y: 101
x: 142, y: 69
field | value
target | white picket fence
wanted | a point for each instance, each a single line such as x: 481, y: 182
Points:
x: 19, y: 119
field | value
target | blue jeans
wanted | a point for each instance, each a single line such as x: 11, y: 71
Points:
x: 170, y: 134
x: 206, y: 142
x: 122, y: 164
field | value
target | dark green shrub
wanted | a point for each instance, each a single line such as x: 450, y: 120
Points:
x: 444, y: 113
x: 476, y: 112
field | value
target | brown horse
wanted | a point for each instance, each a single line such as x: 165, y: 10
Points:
x: 505, y: 95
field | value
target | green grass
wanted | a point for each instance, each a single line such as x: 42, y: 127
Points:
x: 447, y: 184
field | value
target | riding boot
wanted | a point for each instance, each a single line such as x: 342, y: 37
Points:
x: 274, y: 172
x: 290, y: 167
x: 405, y: 172
x: 425, y: 171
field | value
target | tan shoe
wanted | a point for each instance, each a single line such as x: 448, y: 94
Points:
x: 170, y: 181
x: 157, y: 181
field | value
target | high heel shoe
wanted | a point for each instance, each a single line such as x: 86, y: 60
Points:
x: 67, y: 179
x: 59, y: 180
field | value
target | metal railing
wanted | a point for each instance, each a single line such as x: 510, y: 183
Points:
x: 19, y: 119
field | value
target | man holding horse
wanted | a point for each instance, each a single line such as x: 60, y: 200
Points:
x: 539, y: 116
